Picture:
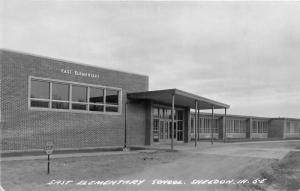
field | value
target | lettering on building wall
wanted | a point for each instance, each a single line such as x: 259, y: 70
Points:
x: 79, y: 73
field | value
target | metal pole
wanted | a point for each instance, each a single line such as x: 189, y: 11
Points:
x: 125, y: 133
x: 195, y: 124
x: 172, y: 128
x: 199, y: 124
x: 224, y: 126
x: 212, y: 123
x: 48, y: 169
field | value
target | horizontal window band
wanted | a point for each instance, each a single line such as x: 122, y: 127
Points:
x: 72, y: 110
x: 73, y: 83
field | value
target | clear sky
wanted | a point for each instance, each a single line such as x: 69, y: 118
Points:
x: 245, y: 54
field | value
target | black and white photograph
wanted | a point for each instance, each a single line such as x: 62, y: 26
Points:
x: 149, y: 95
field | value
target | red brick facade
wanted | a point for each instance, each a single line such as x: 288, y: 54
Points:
x: 25, y: 129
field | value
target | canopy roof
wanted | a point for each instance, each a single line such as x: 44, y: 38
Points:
x: 182, y: 98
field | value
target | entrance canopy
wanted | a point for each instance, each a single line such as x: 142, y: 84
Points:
x: 182, y: 98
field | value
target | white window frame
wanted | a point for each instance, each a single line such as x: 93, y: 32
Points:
x: 70, y: 83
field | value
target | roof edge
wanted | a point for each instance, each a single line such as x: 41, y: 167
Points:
x: 68, y: 61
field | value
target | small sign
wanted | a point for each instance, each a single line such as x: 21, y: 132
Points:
x: 49, y: 148
x: 79, y: 73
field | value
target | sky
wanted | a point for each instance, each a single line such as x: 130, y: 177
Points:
x: 245, y: 54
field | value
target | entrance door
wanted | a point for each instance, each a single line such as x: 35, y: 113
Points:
x: 161, y: 130
x: 174, y: 130
x: 179, y: 131
x: 166, y: 130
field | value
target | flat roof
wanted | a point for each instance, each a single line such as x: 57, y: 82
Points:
x: 182, y: 98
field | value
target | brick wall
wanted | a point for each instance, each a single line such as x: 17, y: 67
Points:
x: 276, y: 128
x: 23, y: 129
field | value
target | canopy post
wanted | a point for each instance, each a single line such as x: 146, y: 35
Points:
x: 125, y: 124
x: 172, y: 127
x: 212, y: 125
x: 199, y: 124
x: 195, y: 123
x: 224, y: 126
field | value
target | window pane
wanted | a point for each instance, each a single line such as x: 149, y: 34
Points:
x: 40, y: 89
x: 96, y: 107
x: 180, y: 126
x: 254, y: 125
x: 192, y: 125
x: 79, y: 106
x: 60, y: 91
x: 180, y: 115
x: 161, y: 113
x: 155, y: 112
x: 112, y: 97
x: 96, y: 95
x: 60, y: 105
x: 44, y: 104
x: 79, y: 93
x: 169, y: 113
x: 111, y: 109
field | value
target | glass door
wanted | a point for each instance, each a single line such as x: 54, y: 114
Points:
x: 166, y: 130
x: 161, y: 130
x: 174, y: 130
x: 179, y: 131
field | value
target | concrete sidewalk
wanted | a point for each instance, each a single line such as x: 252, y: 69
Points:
x: 204, y: 147
x: 71, y: 155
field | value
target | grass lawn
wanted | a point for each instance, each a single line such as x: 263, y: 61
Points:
x: 283, y: 174
x: 31, y: 174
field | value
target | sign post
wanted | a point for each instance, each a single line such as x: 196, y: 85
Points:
x: 49, y: 150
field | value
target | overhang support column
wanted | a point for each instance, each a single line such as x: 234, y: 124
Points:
x: 172, y: 127
x: 212, y: 125
x: 195, y: 123
x: 224, y: 126
x: 199, y: 124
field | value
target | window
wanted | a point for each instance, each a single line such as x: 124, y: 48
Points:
x: 297, y: 128
x: 242, y: 126
x: 192, y: 125
x: 229, y: 126
x: 179, y: 115
x: 155, y: 130
x: 40, y: 93
x: 292, y: 127
x: 259, y: 127
x: 254, y: 127
x: 112, y: 97
x: 215, y: 129
x: 40, y: 89
x: 169, y: 113
x: 155, y: 112
x: 96, y: 95
x: 79, y: 95
x: 58, y: 95
x: 288, y: 127
x: 201, y: 124
x: 265, y: 127
x: 207, y: 123
x: 161, y: 113
x: 96, y: 99
x: 236, y: 126
x: 60, y: 91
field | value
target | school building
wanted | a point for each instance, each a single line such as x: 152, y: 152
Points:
x: 81, y: 106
